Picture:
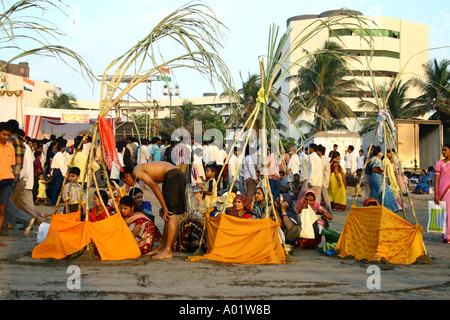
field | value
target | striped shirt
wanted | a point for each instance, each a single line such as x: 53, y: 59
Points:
x: 19, y: 150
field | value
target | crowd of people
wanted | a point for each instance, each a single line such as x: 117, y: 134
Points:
x: 191, y: 180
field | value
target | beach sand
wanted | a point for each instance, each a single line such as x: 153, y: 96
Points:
x: 312, y: 276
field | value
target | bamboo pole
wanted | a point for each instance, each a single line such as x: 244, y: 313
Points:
x: 395, y: 168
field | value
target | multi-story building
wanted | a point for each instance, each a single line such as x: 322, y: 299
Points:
x: 396, y: 46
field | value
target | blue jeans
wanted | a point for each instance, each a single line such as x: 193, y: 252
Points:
x: 58, y: 179
x: 275, y: 188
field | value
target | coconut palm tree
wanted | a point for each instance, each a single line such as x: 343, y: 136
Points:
x: 239, y: 113
x: 182, y: 117
x: 321, y: 84
x: 397, y: 104
x: 61, y: 100
x: 435, y: 96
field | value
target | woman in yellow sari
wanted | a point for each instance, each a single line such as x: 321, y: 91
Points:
x: 388, y: 163
x: 338, y: 185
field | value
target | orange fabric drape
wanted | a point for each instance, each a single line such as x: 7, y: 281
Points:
x: 236, y: 240
x: 374, y: 233
x: 67, y: 235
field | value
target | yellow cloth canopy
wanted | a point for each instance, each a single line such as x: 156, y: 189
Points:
x: 67, y: 235
x: 374, y: 233
x: 236, y: 240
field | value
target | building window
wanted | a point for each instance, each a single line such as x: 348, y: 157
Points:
x: 365, y: 33
x: 375, y: 53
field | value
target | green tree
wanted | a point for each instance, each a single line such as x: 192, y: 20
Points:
x: 397, y: 104
x: 61, y: 100
x: 435, y: 97
x: 184, y: 116
x: 321, y: 85
x: 239, y: 113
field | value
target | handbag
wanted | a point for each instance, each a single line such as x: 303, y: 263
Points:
x: 437, y: 217
x: 307, y: 218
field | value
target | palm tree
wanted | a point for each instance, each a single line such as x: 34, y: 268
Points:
x: 321, y: 84
x: 185, y: 115
x: 59, y: 101
x: 397, y: 104
x: 435, y: 96
x: 182, y: 117
x: 239, y: 113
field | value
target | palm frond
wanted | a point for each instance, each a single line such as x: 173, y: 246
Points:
x: 24, y: 29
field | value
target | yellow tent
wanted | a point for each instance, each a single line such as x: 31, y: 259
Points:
x: 236, y: 240
x: 374, y: 233
x: 67, y: 235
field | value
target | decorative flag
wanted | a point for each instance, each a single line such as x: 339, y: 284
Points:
x: 384, y: 116
x: 162, y: 69
x: 2, y: 82
x: 28, y: 84
x: 109, y: 143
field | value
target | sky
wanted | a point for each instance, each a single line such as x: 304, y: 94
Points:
x: 101, y: 31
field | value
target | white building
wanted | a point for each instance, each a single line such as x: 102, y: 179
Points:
x: 397, y: 44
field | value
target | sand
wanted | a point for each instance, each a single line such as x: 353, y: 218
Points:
x: 312, y: 276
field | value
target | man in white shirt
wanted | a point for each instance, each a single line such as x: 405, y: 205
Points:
x: 236, y: 159
x: 293, y: 166
x: 360, y: 160
x: 115, y: 169
x: 326, y: 172
x: 350, y: 161
x: 250, y: 178
x: 315, y: 177
x: 220, y: 159
x: 143, y: 152
x: 206, y: 152
x: 305, y: 169
x: 59, y: 170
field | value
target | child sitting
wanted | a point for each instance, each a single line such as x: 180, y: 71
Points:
x: 144, y: 230
x: 210, y: 188
x: 97, y: 212
x: 72, y: 192
x: 145, y: 206
x: 42, y: 190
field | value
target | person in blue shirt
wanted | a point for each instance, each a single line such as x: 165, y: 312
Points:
x: 145, y: 206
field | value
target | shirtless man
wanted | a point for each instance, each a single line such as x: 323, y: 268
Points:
x: 172, y: 197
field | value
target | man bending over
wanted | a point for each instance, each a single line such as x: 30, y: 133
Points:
x: 172, y: 198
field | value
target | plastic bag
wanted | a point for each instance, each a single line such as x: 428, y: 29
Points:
x: 437, y: 217
x: 307, y: 217
x: 42, y: 232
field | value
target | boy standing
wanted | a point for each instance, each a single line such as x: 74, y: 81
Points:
x: 72, y: 192
x: 7, y: 161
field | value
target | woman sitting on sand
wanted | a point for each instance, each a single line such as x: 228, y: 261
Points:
x: 259, y: 203
x: 143, y: 229
x: 98, y: 212
x: 309, y: 199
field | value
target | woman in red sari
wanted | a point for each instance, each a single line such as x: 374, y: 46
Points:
x: 98, y: 212
x: 143, y: 229
x: 442, y: 185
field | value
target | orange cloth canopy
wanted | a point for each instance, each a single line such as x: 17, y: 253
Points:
x: 67, y: 235
x: 236, y: 240
x: 375, y: 232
